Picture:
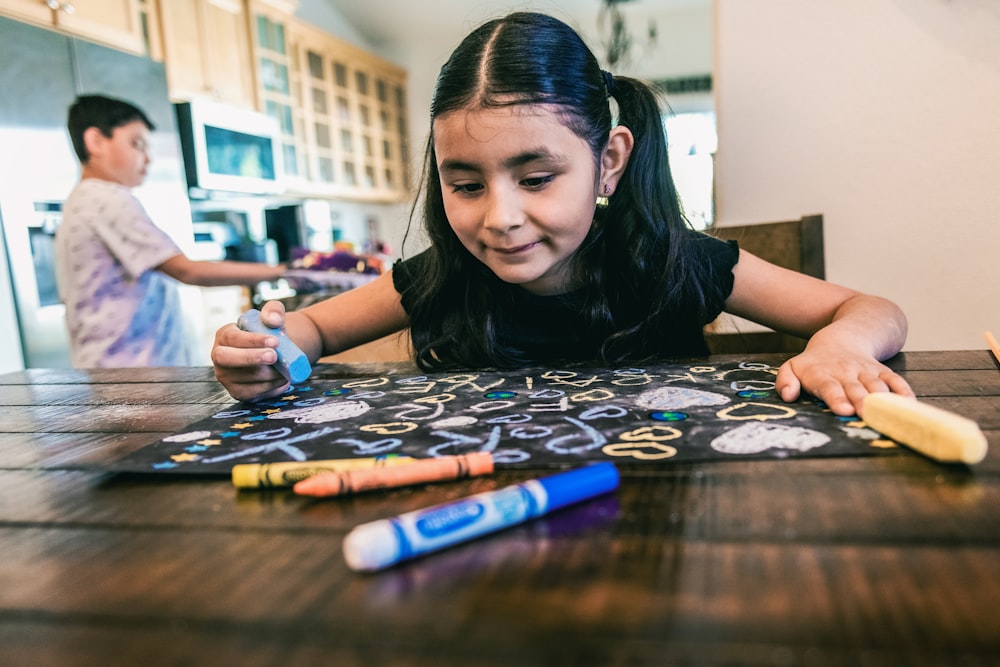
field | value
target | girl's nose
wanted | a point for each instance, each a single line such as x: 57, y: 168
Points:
x: 503, y: 213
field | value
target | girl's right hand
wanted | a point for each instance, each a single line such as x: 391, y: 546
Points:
x: 243, y: 360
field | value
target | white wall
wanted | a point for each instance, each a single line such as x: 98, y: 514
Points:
x: 324, y: 16
x: 884, y: 116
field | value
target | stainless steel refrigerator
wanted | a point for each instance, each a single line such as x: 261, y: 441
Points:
x: 41, y: 72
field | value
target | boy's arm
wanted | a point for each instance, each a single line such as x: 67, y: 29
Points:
x: 849, y: 333
x: 218, y: 273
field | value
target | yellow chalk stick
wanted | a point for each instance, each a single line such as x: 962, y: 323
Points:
x: 941, y: 435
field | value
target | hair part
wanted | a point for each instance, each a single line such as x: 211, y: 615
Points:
x: 104, y: 113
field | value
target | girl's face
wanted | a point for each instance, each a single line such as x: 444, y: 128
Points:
x: 519, y: 191
x: 123, y: 157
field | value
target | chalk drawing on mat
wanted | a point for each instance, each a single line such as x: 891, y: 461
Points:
x: 756, y: 437
x: 679, y: 398
x: 659, y: 413
x: 323, y: 412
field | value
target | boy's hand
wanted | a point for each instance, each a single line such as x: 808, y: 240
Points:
x: 838, y: 377
x: 243, y: 360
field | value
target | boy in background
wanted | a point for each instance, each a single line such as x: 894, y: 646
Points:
x: 115, y: 269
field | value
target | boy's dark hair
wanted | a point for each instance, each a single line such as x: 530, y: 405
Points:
x: 104, y: 113
x: 638, y: 261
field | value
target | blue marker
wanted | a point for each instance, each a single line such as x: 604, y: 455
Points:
x: 379, y: 544
x: 292, y: 362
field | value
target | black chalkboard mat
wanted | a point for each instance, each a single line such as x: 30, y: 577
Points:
x: 646, y: 415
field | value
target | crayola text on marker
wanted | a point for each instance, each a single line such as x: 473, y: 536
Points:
x: 380, y: 544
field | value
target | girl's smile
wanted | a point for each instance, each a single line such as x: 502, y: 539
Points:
x: 519, y: 190
x: 517, y: 250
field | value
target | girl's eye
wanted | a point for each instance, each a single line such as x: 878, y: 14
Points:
x: 538, y: 182
x: 467, y: 188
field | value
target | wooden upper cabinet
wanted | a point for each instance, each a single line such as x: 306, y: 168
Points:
x: 35, y: 11
x: 207, y: 51
x: 352, y: 115
x: 277, y: 80
x: 117, y: 23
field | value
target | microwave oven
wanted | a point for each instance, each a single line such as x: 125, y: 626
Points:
x: 229, y: 148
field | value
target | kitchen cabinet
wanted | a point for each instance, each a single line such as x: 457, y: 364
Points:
x: 206, y: 46
x: 123, y: 24
x: 353, y: 117
x: 274, y: 65
x: 36, y: 11
x: 342, y: 110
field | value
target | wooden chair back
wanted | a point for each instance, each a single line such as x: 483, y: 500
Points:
x: 792, y: 244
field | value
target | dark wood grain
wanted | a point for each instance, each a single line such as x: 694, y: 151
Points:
x: 874, y: 560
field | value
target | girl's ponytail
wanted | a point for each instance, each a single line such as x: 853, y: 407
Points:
x: 647, y: 181
x: 647, y: 225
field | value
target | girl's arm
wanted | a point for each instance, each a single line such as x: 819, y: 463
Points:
x: 243, y: 359
x: 849, y: 333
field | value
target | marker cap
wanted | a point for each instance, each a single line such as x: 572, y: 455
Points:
x: 371, y: 546
x: 572, y: 486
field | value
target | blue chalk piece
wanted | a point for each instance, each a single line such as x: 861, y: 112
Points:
x: 292, y: 362
x: 381, y: 544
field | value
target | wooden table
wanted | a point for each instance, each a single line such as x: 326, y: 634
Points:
x: 873, y: 560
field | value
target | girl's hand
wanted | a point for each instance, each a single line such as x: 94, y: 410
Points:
x: 848, y: 333
x: 243, y: 359
x: 837, y: 377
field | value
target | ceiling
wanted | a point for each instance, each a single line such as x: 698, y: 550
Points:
x: 387, y: 22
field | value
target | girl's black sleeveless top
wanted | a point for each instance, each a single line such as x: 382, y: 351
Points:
x: 544, y: 329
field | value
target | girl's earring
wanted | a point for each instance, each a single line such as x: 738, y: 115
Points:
x: 602, y: 202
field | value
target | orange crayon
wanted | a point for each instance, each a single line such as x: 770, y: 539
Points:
x: 417, y: 472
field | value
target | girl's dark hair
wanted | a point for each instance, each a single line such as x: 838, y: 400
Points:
x: 633, y: 267
x: 104, y: 113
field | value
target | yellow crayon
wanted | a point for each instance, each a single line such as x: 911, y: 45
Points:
x: 414, y: 472
x: 287, y: 473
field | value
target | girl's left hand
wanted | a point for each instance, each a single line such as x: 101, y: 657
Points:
x: 838, y: 378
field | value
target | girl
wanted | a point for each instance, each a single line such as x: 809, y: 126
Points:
x: 556, y: 236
